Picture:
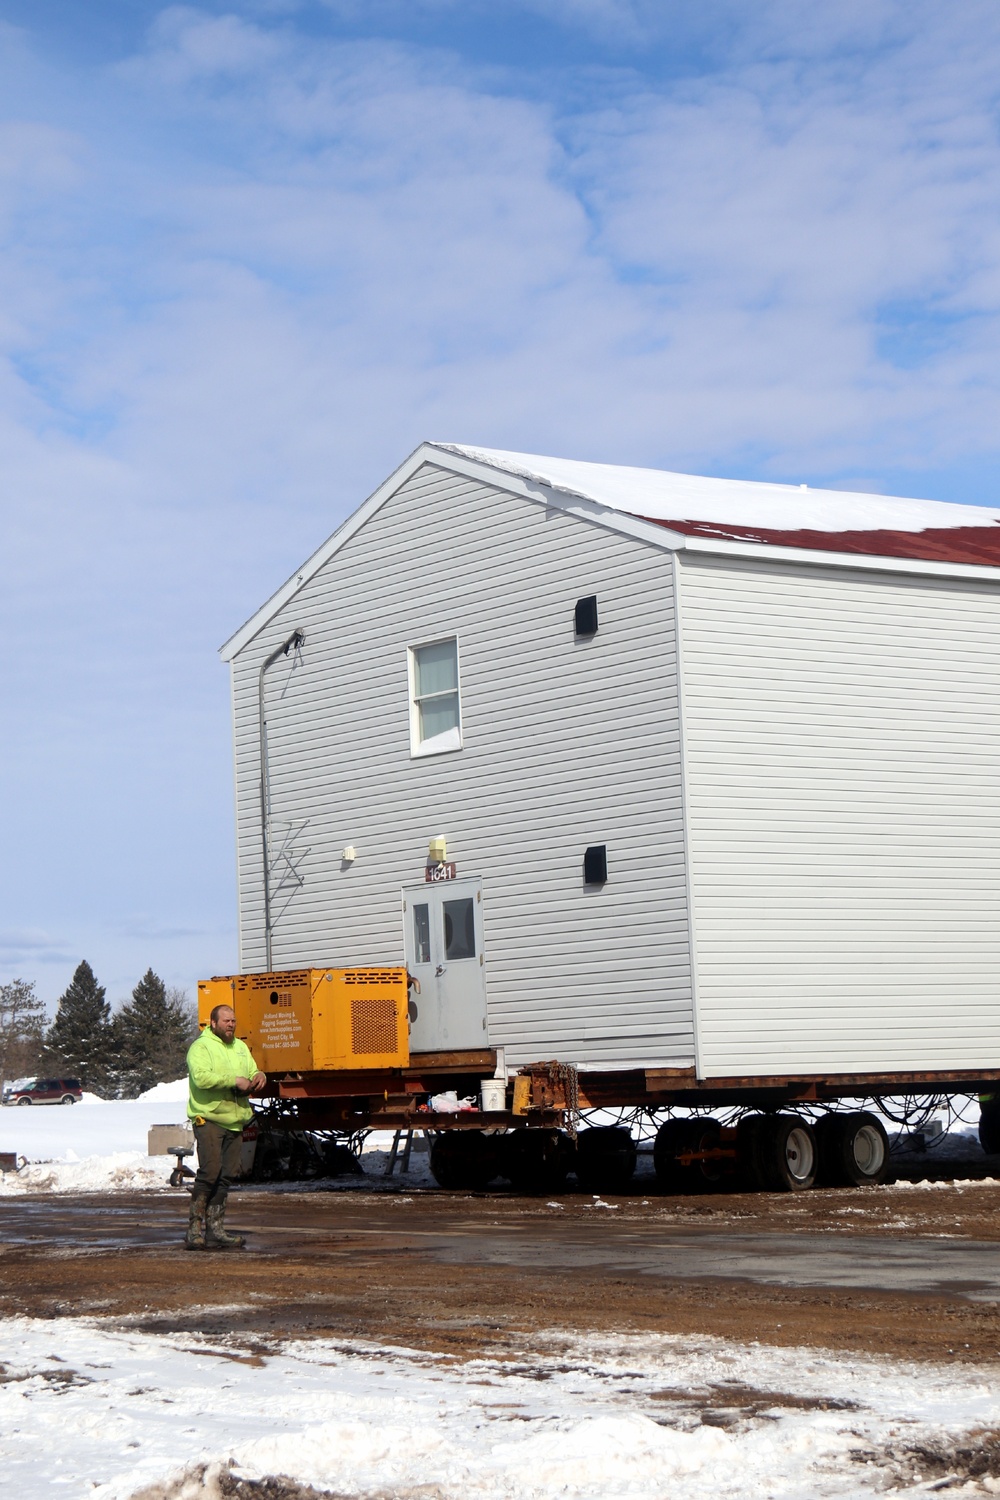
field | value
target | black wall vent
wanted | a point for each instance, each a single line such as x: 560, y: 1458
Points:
x: 595, y: 865
x: 585, y: 615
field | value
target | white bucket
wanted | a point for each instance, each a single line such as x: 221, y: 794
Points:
x: 492, y: 1094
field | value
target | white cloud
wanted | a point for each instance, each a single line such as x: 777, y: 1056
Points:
x: 725, y: 266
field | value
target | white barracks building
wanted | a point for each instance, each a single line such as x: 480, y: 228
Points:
x: 717, y: 765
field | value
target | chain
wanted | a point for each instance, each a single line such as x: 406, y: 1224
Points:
x: 569, y: 1077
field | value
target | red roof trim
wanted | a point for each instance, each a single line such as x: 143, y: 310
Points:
x: 952, y: 544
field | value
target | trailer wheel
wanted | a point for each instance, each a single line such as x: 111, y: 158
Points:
x: 536, y: 1161
x: 853, y: 1150
x: 676, y: 1136
x: 777, y: 1153
x: 989, y: 1126
x: 605, y: 1158
x: 791, y: 1155
x: 463, y: 1160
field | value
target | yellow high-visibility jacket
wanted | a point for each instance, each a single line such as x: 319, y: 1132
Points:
x: 213, y: 1066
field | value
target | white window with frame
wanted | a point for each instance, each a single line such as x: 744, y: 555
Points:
x: 435, y: 706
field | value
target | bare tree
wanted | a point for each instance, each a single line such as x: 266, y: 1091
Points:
x: 22, y: 1024
x: 185, y: 1006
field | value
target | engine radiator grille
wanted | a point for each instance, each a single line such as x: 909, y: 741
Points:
x: 373, y: 1025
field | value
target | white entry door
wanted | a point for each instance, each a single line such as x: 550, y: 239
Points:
x: 443, y: 926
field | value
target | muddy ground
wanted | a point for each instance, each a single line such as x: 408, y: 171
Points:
x: 907, y: 1272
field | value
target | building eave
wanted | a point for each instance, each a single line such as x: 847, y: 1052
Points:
x: 862, y: 561
x: 569, y: 502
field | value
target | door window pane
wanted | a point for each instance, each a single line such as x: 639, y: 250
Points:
x: 460, y: 929
x: 421, y: 934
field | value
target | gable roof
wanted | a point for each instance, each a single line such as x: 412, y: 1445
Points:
x: 689, y: 512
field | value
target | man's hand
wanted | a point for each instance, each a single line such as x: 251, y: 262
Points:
x: 258, y: 1083
x: 241, y: 1085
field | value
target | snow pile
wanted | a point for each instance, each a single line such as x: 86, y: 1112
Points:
x: 975, y: 1182
x: 587, y: 1418
x: 121, y: 1172
x: 176, y: 1092
x: 100, y: 1149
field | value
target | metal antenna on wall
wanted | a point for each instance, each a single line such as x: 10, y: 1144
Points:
x: 295, y: 640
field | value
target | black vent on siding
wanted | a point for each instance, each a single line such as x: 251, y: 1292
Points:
x: 585, y: 615
x: 595, y: 865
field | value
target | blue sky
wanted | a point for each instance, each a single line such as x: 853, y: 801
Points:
x: 251, y: 254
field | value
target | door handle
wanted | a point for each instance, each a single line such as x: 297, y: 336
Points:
x: 439, y: 971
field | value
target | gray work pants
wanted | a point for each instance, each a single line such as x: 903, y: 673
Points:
x: 218, y: 1161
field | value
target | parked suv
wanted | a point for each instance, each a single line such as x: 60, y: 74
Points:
x: 46, y: 1091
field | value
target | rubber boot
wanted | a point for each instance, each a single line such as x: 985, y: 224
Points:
x: 219, y: 1237
x: 196, y: 1238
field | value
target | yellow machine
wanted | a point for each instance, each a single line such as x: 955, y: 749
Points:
x: 317, y: 1020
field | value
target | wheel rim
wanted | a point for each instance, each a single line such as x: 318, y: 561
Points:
x: 869, y: 1150
x: 710, y: 1170
x: 799, y: 1154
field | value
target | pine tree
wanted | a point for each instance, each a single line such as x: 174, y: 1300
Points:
x: 78, y: 1043
x: 22, y: 1019
x: 150, y: 1037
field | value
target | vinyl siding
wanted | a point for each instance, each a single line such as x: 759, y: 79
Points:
x: 842, y: 757
x: 566, y: 743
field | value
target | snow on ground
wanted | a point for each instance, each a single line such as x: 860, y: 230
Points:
x: 100, y: 1150
x: 87, y: 1410
x: 98, y: 1147
x: 49, y: 1132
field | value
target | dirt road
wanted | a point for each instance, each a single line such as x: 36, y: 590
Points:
x: 913, y: 1272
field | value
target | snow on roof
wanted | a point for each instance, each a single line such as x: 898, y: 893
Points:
x: 776, y: 514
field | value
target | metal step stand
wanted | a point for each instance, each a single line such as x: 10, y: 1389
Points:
x: 404, y: 1164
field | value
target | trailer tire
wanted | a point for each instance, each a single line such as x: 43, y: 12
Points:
x: 776, y: 1153
x: 989, y: 1127
x: 536, y: 1161
x: 605, y: 1158
x: 693, y: 1134
x: 463, y: 1160
x: 751, y: 1152
x: 853, y: 1150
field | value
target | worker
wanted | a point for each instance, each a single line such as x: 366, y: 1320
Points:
x: 221, y: 1076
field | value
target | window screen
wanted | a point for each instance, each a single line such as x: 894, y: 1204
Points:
x: 460, y: 929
